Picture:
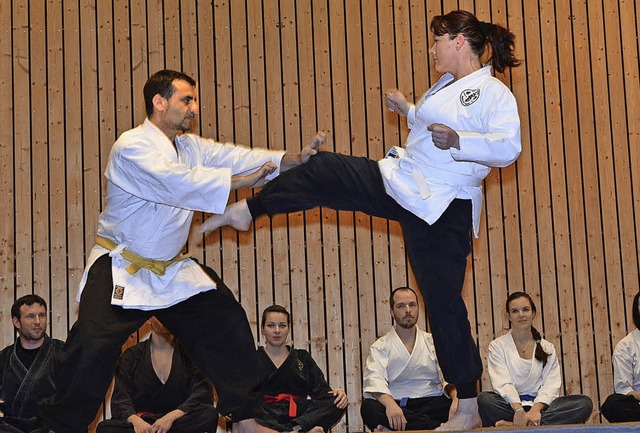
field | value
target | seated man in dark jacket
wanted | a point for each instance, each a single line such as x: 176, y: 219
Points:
x: 158, y: 389
x: 27, y: 367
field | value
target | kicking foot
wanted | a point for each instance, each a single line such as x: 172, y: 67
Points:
x: 503, y: 423
x: 250, y: 426
x: 381, y: 428
x: 465, y: 418
x: 236, y: 215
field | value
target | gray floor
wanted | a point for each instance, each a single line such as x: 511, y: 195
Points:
x: 589, y: 428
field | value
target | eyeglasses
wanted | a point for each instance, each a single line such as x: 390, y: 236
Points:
x: 32, y: 316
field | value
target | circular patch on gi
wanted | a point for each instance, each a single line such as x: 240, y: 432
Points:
x: 469, y: 96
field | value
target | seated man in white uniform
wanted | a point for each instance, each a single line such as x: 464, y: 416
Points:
x: 403, y: 385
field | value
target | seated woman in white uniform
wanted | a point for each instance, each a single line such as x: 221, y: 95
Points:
x: 624, y: 405
x: 296, y: 395
x: 525, y: 375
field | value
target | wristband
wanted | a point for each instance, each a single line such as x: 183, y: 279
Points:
x: 520, y: 409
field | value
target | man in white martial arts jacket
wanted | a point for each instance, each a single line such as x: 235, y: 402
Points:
x: 158, y: 175
x: 403, y: 385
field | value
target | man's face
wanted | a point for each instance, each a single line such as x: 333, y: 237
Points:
x: 32, y: 323
x: 181, y: 107
x: 405, y: 309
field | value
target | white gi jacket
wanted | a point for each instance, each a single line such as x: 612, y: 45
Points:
x: 152, y: 193
x: 512, y: 376
x: 482, y: 110
x: 391, y: 369
x: 626, y: 365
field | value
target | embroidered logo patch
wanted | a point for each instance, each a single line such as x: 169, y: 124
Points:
x: 118, y: 293
x: 469, y: 96
x: 300, y: 365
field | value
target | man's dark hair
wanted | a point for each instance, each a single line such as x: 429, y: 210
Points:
x: 161, y: 83
x: 275, y: 308
x: 26, y: 300
x: 392, y: 302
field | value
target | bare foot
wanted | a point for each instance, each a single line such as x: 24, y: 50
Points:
x: 465, y: 418
x: 250, y: 426
x: 236, y: 215
x: 381, y: 428
x: 503, y: 423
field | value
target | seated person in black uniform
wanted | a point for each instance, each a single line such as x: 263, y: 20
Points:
x: 297, y: 397
x: 159, y: 390
x: 27, y: 367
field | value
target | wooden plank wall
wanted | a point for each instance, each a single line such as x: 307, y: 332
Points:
x: 563, y: 223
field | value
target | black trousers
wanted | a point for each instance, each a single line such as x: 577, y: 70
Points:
x: 437, y: 252
x: 311, y: 413
x: 621, y: 408
x: 9, y: 424
x: 426, y: 413
x: 211, y: 326
x: 197, y: 421
x: 566, y: 409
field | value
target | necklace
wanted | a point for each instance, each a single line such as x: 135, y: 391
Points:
x: 523, y: 350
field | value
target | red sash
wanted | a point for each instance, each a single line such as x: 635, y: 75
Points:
x: 293, y: 407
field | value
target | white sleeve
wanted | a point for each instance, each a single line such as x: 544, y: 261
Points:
x: 411, y: 116
x: 143, y: 170
x: 499, y: 374
x: 240, y: 159
x: 623, y: 361
x: 499, y: 144
x: 376, y: 377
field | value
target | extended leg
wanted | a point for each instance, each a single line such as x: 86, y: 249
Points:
x: 88, y: 358
x: 332, y: 180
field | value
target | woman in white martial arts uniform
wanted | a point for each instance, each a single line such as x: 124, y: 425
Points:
x: 465, y: 124
x: 525, y: 375
x: 624, y: 405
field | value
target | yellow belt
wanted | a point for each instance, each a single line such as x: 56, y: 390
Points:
x: 138, y: 262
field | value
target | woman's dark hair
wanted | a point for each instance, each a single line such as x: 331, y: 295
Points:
x: 540, y: 354
x: 161, y: 83
x: 635, y: 313
x: 275, y: 308
x: 478, y: 34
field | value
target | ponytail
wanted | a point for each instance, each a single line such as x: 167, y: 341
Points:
x: 540, y: 354
x: 502, y: 43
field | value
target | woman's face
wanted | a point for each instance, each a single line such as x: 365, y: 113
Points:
x: 276, y: 329
x: 521, y: 313
x: 443, y: 53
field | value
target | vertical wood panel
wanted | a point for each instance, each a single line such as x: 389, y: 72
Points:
x: 7, y: 178
x: 301, y: 279
x: 22, y: 148
x: 57, y: 172
x: 74, y: 153
x: 586, y: 381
